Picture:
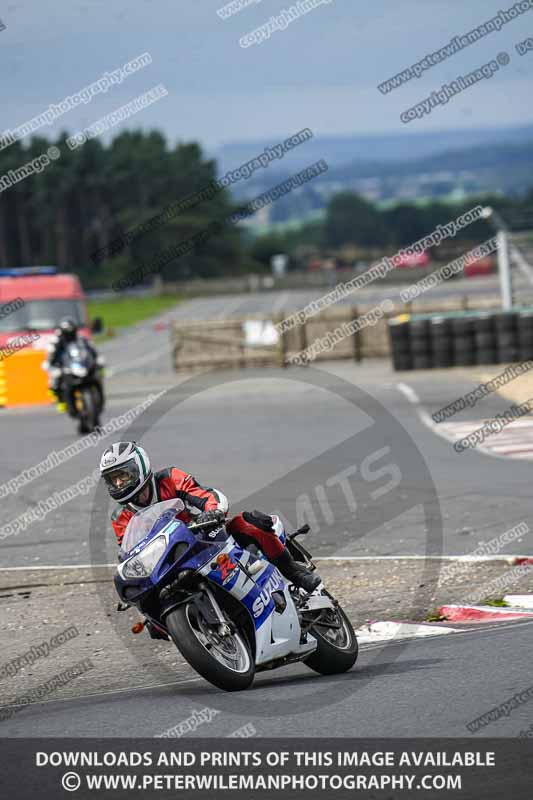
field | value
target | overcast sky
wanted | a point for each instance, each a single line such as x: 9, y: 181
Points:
x: 321, y: 72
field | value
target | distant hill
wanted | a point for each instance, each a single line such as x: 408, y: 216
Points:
x: 400, y: 146
x: 496, y: 165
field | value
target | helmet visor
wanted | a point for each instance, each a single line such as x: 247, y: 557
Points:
x: 123, y: 479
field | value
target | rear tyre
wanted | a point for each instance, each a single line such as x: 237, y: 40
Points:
x: 337, y: 648
x: 97, y: 402
x: 225, y: 662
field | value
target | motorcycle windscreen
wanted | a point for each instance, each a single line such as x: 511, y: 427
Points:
x: 142, y: 522
x: 78, y: 353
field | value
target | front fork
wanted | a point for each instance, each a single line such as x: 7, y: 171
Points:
x: 212, y: 612
x: 207, y: 604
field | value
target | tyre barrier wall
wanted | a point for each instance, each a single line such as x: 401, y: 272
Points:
x: 433, y: 341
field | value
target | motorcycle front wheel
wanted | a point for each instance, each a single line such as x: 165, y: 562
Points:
x: 224, y: 661
x: 337, y: 648
x: 87, y: 419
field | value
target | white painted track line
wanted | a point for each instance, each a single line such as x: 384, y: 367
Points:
x: 514, y: 441
x: 466, y: 558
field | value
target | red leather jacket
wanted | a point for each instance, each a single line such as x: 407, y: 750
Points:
x: 170, y: 483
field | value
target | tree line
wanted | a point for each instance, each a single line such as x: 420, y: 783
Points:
x: 86, y: 198
x: 89, y: 196
x: 352, y: 223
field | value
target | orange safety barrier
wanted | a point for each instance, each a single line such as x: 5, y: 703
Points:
x: 23, y: 382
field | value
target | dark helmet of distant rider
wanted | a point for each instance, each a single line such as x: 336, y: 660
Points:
x: 68, y: 330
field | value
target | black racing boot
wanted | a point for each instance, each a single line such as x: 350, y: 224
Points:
x: 296, y: 572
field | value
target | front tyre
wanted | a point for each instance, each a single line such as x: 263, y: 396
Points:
x: 87, y: 418
x: 98, y: 400
x: 337, y: 647
x: 224, y: 661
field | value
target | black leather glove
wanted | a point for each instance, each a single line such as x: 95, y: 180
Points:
x: 210, y: 516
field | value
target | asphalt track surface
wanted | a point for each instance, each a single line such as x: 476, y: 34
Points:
x: 421, y: 689
x: 277, y: 442
x: 270, y: 441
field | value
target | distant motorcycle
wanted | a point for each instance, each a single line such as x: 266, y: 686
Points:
x: 82, y: 385
x: 229, y: 611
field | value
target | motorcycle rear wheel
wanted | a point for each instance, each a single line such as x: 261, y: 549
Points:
x: 225, y: 661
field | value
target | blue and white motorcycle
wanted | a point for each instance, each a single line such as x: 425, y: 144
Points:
x: 228, y: 610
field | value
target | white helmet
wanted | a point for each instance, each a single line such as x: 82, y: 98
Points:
x: 125, y: 467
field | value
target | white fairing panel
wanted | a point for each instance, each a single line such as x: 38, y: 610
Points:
x: 279, y: 636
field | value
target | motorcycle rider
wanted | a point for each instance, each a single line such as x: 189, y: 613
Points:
x: 65, y: 334
x: 130, y: 480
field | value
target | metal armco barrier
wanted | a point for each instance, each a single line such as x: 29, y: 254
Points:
x: 431, y: 341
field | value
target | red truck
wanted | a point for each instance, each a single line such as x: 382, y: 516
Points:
x: 36, y: 299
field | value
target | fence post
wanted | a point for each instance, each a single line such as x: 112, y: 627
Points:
x: 357, y: 344
x: 504, y: 270
x: 282, y: 347
x: 303, y: 338
x: 176, y: 345
x: 242, y: 346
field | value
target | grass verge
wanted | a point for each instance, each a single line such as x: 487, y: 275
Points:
x: 126, y: 311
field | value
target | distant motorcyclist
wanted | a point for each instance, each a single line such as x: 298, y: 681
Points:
x: 65, y: 334
x: 127, y: 472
